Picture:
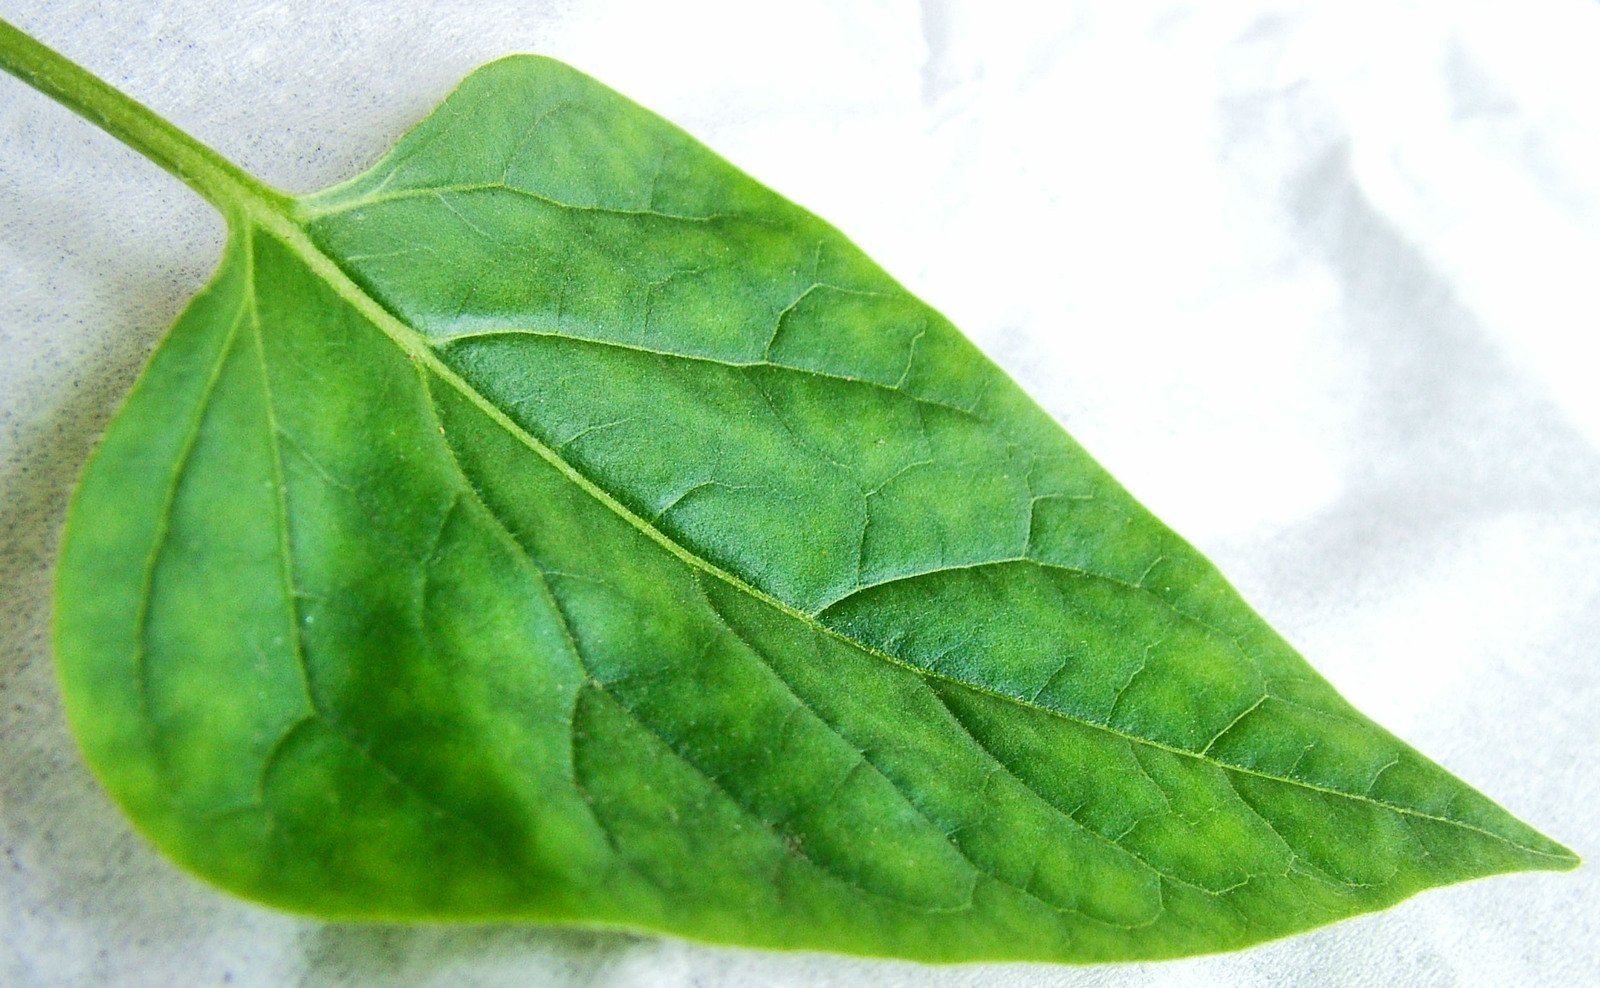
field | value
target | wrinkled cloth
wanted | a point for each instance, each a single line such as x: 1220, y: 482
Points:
x: 1317, y: 283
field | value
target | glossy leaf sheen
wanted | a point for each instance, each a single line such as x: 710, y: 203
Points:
x: 553, y: 523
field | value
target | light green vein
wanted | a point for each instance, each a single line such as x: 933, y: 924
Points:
x: 416, y: 346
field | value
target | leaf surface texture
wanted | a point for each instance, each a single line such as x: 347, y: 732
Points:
x: 553, y: 523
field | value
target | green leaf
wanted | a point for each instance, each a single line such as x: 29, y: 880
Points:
x: 554, y: 524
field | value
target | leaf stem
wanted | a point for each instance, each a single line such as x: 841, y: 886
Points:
x: 216, y: 178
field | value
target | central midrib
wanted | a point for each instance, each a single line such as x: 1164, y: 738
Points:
x: 283, y: 223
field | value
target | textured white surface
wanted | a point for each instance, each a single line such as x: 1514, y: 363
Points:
x: 1318, y: 284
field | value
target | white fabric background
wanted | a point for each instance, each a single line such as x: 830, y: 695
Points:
x: 1317, y: 283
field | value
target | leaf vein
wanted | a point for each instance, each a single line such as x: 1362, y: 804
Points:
x: 420, y: 348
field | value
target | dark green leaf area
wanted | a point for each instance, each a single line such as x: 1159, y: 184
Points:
x: 553, y: 523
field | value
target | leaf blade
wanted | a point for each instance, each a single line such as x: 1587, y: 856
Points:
x: 813, y: 383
